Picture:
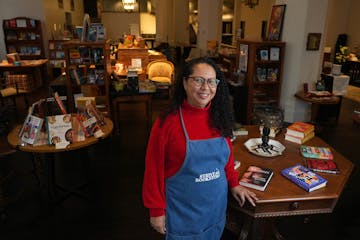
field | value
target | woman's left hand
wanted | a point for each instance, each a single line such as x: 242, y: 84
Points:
x: 241, y: 194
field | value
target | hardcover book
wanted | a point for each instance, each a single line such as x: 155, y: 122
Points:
x: 316, y: 152
x: 256, y: 177
x: 321, y: 165
x: 304, y: 178
x: 300, y: 129
x: 59, y: 130
x: 299, y: 140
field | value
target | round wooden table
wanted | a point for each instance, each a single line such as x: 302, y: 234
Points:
x: 49, y: 153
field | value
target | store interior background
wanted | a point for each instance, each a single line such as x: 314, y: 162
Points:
x: 328, y: 17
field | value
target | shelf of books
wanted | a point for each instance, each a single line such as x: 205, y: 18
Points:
x: 56, y: 57
x: 87, y: 72
x: 24, y: 36
x: 261, y: 62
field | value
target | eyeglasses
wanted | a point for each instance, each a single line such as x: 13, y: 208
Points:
x: 199, y: 81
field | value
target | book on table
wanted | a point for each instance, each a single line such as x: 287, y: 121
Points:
x: 256, y: 177
x: 300, y: 129
x: 304, y: 177
x: 59, y: 130
x: 322, y: 165
x: 299, y: 140
x: 316, y: 152
x: 31, y: 129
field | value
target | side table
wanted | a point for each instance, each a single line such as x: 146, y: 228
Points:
x: 317, y: 102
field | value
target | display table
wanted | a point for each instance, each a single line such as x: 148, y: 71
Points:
x: 49, y: 151
x: 282, y: 197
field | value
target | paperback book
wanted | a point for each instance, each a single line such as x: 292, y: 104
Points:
x: 256, y: 177
x: 304, y: 178
x: 299, y: 140
x: 31, y: 129
x: 316, y: 152
x: 300, y: 129
x: 321, y: 165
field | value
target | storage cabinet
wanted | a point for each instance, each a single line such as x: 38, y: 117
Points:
x: 23, y: 35
x: 88, y: 69
x: 262, y: 64
x: 56, y: 57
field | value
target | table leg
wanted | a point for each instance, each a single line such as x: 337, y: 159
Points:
x: 314, y: 112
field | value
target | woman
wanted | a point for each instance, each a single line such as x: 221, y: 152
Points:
x: 189, y: 161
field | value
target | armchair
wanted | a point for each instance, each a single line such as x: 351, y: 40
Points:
x: 161, y: 72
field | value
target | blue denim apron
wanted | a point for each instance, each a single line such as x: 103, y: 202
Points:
x: 196, y: 196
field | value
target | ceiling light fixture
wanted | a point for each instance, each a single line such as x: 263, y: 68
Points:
x: 128, y: 4
x: 251, y: 3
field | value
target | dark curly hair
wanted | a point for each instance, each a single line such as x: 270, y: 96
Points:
x: 221, y: 110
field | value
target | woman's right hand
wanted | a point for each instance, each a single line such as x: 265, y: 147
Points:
x: 158, y: 223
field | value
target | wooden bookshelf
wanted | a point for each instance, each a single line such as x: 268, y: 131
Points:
x: 24, y: 36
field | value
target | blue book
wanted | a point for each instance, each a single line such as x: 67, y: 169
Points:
x: 304, y: 177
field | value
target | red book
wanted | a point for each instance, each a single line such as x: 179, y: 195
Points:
x: 321, y: 165
x: 300, y: 129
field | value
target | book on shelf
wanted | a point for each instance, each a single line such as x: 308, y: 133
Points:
x: 237, y: 164
x: 299, y: 140
x: 322, y: 165
x: 300, y: 129
x: 304, y: 177
x: 59, y: 130
x: 316, y: 152
x: 256, y: 177
x: 31, y: 129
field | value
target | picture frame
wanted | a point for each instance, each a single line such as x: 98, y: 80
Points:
x: 264, y: 55
x: 276, y: 22
x: 313, y: 41
x: 274, y: 54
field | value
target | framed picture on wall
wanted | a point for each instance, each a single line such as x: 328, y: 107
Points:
x: 276, y: 22
x: 313, y: 41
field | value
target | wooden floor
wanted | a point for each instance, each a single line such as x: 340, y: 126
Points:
x: 114, y: 208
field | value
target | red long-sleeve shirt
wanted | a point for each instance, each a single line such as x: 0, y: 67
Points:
x: 166, y: 153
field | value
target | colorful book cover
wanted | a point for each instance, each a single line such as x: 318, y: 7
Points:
x: 256, y: 177
x: 300, y: 129
x: 322, y: 165
x: 59, y: 130
x: 304, y: 178
x: 316, y: 152
x: 31, y: 129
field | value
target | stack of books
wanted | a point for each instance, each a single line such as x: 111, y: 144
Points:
x: 300, y: 132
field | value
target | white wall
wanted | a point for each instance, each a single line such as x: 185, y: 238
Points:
x: 116, y: 23
x: 253, y: 18
x: 301, y: 18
